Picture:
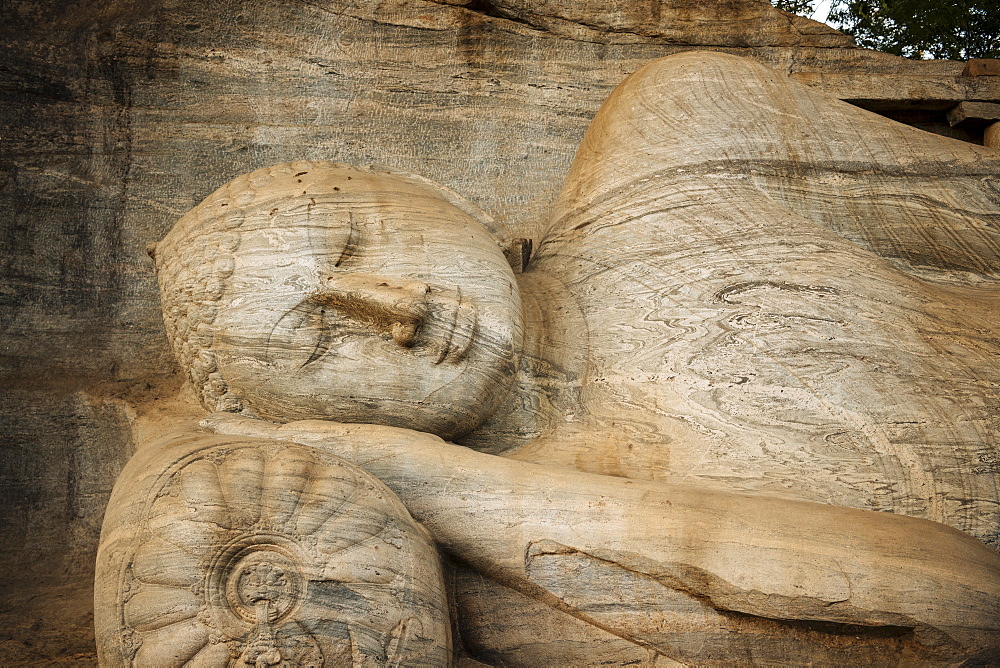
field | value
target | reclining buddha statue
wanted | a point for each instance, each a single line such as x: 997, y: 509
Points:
x: 739, y: 407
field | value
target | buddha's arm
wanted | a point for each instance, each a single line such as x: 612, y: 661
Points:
x: 760, y: 556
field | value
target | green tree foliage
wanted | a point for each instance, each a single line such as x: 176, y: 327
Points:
x: 952, y: 29
x: 800, y: 7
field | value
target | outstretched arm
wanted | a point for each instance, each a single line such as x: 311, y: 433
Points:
x: 765, y: 557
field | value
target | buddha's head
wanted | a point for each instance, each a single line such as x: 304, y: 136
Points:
x: 324, y: 291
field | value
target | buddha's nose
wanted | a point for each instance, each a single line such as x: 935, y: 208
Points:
x: 390, y: 306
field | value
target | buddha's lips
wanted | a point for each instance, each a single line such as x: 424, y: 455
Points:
x: 460, y: 332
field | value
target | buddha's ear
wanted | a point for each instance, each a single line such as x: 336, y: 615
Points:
x: 518, y: 253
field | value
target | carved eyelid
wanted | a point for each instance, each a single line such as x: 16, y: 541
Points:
x: 309, y: 317
x: 350, y: 246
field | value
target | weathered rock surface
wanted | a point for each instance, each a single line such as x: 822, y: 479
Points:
x: 118, y: 117
x: 122, y: 117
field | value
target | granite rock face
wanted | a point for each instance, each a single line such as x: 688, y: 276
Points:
x: 118, y: 117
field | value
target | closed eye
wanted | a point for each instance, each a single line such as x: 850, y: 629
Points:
x: 350, y: 246
x: 303, y: 326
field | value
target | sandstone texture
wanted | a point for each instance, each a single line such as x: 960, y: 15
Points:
x: 118, y: 117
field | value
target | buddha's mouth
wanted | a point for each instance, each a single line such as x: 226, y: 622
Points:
x: 449, y: 328
x: 460, y: 332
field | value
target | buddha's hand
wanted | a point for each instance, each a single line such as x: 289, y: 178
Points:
x: 357, y: 443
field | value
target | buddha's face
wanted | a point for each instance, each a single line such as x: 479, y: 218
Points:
x: 371, y: 301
